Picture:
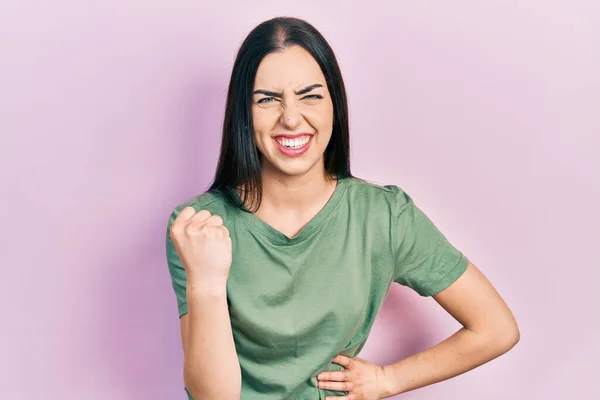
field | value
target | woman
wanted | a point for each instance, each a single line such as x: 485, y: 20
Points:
x: 281, y: 267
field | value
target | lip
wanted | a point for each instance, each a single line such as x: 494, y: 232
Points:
x: 290, y: 136
x: 293, y: 152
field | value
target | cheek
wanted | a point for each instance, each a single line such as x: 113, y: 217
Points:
x: 262, y: 124
x: 261, y: 140
x: 264, y: 120
x: 320, y: 118
x: 257, y: 119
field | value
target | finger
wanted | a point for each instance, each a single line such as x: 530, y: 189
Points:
x: 338, y: 376
x: 200, y: 216
x: 216, y: 231
x: 198, y: 220
x: 337, y: 398
x: 214, y: 220
x: 339, y: 386
x: 344, y: 361
x: 225, y: 231
x: 184, y: 215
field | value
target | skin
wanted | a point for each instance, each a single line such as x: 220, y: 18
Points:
x: 211, y: 368
x: 294, y: 190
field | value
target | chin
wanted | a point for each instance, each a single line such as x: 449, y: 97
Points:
x: 279, y: 163
x: 293, y: 170
x: 295, y: 167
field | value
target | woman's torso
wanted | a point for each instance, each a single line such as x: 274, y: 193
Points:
x: 296, y: 303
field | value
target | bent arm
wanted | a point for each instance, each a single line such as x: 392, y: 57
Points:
x: 211, y: 367
x: 489, y: 330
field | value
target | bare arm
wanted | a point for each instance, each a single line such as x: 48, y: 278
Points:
x: 489, y: 330
x: 211, y: 369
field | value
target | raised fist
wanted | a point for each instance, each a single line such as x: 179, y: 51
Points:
x: 203, y: 245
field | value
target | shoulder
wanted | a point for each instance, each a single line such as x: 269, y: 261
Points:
x: 377, y: 195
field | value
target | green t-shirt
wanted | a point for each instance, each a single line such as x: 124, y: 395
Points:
x: 295, y: 304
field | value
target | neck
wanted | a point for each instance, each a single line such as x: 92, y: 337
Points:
x: 299, y: 192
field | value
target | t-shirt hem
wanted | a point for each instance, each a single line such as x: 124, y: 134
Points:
x: 448, y: 279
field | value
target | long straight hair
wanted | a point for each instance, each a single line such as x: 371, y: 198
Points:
x: 239, y: 159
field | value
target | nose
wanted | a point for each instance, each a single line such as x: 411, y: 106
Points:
x: 290, y: 115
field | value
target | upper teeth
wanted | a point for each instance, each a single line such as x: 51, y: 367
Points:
x: 295, y: 143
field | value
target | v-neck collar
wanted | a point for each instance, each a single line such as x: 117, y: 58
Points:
x: 319, y: 218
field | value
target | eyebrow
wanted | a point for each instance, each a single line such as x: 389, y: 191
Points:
x: 277, y: 94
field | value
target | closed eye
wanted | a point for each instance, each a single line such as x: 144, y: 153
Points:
x: 313, y: 96
x: 271, y: 99
x: 266, y: 100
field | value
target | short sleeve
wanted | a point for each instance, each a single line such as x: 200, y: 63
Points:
x: 176, y: 270
x: 424, y: 259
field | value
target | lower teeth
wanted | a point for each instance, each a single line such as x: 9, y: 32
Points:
x: 293, y: 147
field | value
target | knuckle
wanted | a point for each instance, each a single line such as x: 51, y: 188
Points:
x: 202, y: 214
x: 216, y: 232
x: 225, y: 234
x: 212, y: 231
x: 194, y: 228
x: 217, y: 219
x: 175, y: 231
x: 189, y: 229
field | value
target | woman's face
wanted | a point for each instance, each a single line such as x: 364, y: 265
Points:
x: 292, y: 112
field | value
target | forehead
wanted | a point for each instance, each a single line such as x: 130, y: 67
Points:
x: 291, y: 68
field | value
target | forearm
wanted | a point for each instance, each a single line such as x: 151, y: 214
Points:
x: 211, y: 365
x: 457, y: 354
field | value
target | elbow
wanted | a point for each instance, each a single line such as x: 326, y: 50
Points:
x: 505, y: 337
x: 510, y: 339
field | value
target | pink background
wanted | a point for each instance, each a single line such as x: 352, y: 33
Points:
x: 487, y: 113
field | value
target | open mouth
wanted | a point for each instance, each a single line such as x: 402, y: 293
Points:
x: 295, y: 146
x: 296, y: 143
